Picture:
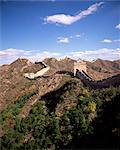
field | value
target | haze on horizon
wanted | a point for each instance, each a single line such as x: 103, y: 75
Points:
x: 54, y: 28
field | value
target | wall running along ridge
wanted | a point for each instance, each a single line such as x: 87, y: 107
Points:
x: 37, y: 74
x: 79, y: 65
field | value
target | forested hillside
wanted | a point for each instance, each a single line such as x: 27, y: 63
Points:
x: 70, y: 117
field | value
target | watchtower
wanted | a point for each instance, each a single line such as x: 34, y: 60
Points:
x: 80, y: 65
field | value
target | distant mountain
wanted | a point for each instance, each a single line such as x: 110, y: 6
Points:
x: 65, y: 64
x: 101, y: 69
x: 13, y: 83
x: 98, y: 69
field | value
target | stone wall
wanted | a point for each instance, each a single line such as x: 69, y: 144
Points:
x: 80, y: 65
x: 37, y: 74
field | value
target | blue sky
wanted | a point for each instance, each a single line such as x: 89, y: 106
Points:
x: 56, y: 28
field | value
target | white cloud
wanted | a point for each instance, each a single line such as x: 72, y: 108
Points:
x: 104, y: 53
x: 39, y: 56
x: 118, y: 26
x: 110, y: 41
x: 77, y: 35
x: 107, y: 41
x: 63, y: 40
x: 118, y: 40
x: 67, y: 39
x: 51, y: 0
x: 9, y: 55
x: 69, y: 19
x: 13, y: 52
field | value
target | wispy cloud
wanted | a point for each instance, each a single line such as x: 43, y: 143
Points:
x: 69, y: 19
x: 69, y: 38
x: 110, y: 41
x: 42, y: 55
x: 13, y: 52
x: 118, y: 26
x: 51, y: 0
x: 107, y: 41
x: 118, y: 40
x: 78, y: 35
x: 9, y: 55
x: 63, y: 40
x: 104, y: 53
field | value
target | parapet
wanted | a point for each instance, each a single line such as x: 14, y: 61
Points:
x: 80, y: 65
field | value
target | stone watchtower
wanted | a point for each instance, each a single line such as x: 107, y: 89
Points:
x: 80, y: 65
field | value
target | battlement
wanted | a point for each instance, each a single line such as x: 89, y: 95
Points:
x: 80, y: 65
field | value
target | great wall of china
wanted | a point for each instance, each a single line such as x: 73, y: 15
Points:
x: 78, y: 65
x: 39, y: 73
x: 81, y: 66
x: 80, y: 71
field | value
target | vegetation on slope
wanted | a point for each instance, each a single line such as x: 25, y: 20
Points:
x: 9, y: 116
x: 93, y: 120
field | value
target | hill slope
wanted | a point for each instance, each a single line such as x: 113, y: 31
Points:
x: 13, y: 84
x: 58, y: 110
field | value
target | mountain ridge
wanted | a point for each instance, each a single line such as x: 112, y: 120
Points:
x: 13, y: 82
